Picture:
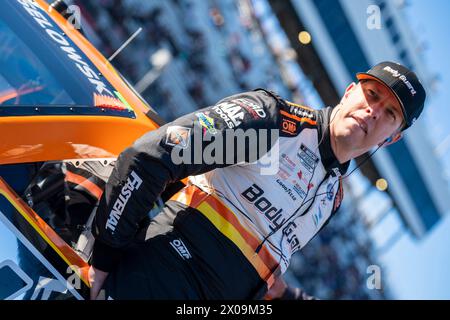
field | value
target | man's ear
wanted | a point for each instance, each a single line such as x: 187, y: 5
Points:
x: 350, y: 87
x: 395, y: 137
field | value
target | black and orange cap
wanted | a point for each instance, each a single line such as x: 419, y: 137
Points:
x: 403, y: 83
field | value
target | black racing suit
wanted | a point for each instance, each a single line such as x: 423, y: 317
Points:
x: 249, y: 205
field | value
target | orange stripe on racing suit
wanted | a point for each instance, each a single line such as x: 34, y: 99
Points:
x: 304, y: 119
x: 228, y: 224
x: 299, y: 106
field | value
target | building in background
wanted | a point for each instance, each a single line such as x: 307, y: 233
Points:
x: 347, y: 41
x: 190, y: 54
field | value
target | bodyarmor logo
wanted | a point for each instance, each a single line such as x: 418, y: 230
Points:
x: 133, y: 183
x: 274, y: 215
x: 291, y: 237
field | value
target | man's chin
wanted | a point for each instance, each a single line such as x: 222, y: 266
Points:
x: 350, y: 134
x: 353, y: 140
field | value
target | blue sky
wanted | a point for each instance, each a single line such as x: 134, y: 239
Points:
x: 421, y: 269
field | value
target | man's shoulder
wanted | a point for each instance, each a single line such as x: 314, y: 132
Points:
x: 296, y: 117
x: 269, y: 95
x: 301, y: 110
x: 295, y: 109
x: 291, y: 118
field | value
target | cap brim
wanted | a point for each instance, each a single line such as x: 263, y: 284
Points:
x: 366, y: 76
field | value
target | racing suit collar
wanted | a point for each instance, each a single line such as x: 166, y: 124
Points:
x: 329, y: 160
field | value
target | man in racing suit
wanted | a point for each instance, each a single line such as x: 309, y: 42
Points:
x: 250, y: 203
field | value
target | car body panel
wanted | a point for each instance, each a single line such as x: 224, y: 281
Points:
x: 42, y: 136
x: 42, y: 254
x: 35, y: 262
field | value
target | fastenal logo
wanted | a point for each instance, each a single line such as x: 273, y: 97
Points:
x: 133, y: 183
x: 181, y: 249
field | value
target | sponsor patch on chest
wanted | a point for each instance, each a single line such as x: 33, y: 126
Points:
x: 308, y: 159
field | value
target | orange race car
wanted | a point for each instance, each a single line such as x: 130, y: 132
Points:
x: 65, y: 115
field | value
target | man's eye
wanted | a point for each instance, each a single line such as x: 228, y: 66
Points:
x: 391, y: 113
x: 372, y: 93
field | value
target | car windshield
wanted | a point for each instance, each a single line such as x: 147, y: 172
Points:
x: 40, y: 66
x: 24, y: 79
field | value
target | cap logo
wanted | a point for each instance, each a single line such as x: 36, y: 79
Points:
x: 394, y: 73
x: 402, y: 77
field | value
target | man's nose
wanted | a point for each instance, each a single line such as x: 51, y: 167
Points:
x: 376, y: 108
x: 373, y: 111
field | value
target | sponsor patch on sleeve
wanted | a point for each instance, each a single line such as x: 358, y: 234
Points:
x: 300, y: 111
x: 294, y: 117
x: 289, y: 126
x: 308, y: 158
x: 234, y: 111
x: 207, y: 123
x: 252, y: 108
x: 177, y: 136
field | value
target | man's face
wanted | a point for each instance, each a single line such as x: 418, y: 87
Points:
x: 369, y: 114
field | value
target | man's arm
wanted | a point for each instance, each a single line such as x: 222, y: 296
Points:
x: 143, y: 170
x: 281, y: 291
